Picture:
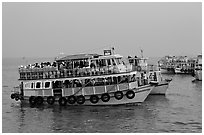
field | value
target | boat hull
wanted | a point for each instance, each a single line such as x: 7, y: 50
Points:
x: 140, y: 96
x: 160, y: 88
x: 167, y: 71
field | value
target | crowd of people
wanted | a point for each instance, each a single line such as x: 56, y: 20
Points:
x: 41, y: 65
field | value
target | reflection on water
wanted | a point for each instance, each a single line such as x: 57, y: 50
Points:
x: 179, y: 111
x: 86, y: 119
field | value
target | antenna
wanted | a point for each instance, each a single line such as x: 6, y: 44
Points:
x: 141, y: 50
x: 113, y: 50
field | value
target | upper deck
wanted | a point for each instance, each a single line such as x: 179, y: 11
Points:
x: 74, y: 66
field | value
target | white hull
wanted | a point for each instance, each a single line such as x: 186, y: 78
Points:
x: 160, y: 89
x: 140, y: 95
x: 166, y: 71
x: 198, y: 75
x: 178, y: 71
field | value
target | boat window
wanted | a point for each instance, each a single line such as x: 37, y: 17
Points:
x: 38, y: 85
x: 113, y: 61
x: 67, y: 84
x: 132, y: 78
x: 119, y: 79
x: 97, y: 63
x: 99, y: 82
x: 115, y: 80
x: 47, y: 84
x: 124, y: 79
x: 118, y: 61
x: 102, y: 62
x: 57, y: 84
x: 88, y: 82
x: 77, y: 83
x: 109, y: 61
x: 93, y: 64
x: 27, y: 85
x: 131, y: 61
x: 109, y: 80
x: 86, y: 63
x: 70, y: 83
x: 32, y: 85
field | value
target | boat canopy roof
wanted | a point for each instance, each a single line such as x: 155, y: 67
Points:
x: 138, y: 58
x: 77, y: 57
x: 109, y: 57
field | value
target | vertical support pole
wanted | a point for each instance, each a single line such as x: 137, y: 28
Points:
x: 21, y: 89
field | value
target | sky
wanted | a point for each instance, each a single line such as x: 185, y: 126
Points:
x: 48, y: 29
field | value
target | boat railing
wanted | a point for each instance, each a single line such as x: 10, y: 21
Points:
x: 54, y: 73
x: 146, y: 68
x: 45, y: 69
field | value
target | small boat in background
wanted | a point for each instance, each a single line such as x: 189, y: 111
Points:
x: 177, y: 64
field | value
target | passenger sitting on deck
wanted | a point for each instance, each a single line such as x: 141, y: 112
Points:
x: 54, y: 64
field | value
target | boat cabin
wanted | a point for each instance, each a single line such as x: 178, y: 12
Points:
x: 138, y: 63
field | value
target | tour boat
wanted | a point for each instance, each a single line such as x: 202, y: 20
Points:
x: 83, y: 79
x: 153, y: 73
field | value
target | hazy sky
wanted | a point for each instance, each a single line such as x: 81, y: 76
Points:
x: 46, y: 29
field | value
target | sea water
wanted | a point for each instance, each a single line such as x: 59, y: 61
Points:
x: 180, y: 110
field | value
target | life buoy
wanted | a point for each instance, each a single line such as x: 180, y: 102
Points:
x: 13, y: 96
x: 105, y: 97
x: 39, y: 100
x: 32, y: 100
x: 80, y: 99
x: 62, y: 101
x: 118, y: 95
x: 130, y: 94
x: 94, y: 99
x: 50, y: 100
x: 71, y: 99
x: 139, y: 68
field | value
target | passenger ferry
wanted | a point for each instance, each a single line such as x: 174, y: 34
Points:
x: 198, y: 68
x: 154, y: 74
x: 84, y: 79
x: 177, y: 65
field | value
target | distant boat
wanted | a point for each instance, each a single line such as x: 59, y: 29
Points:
x: 177, y: 65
